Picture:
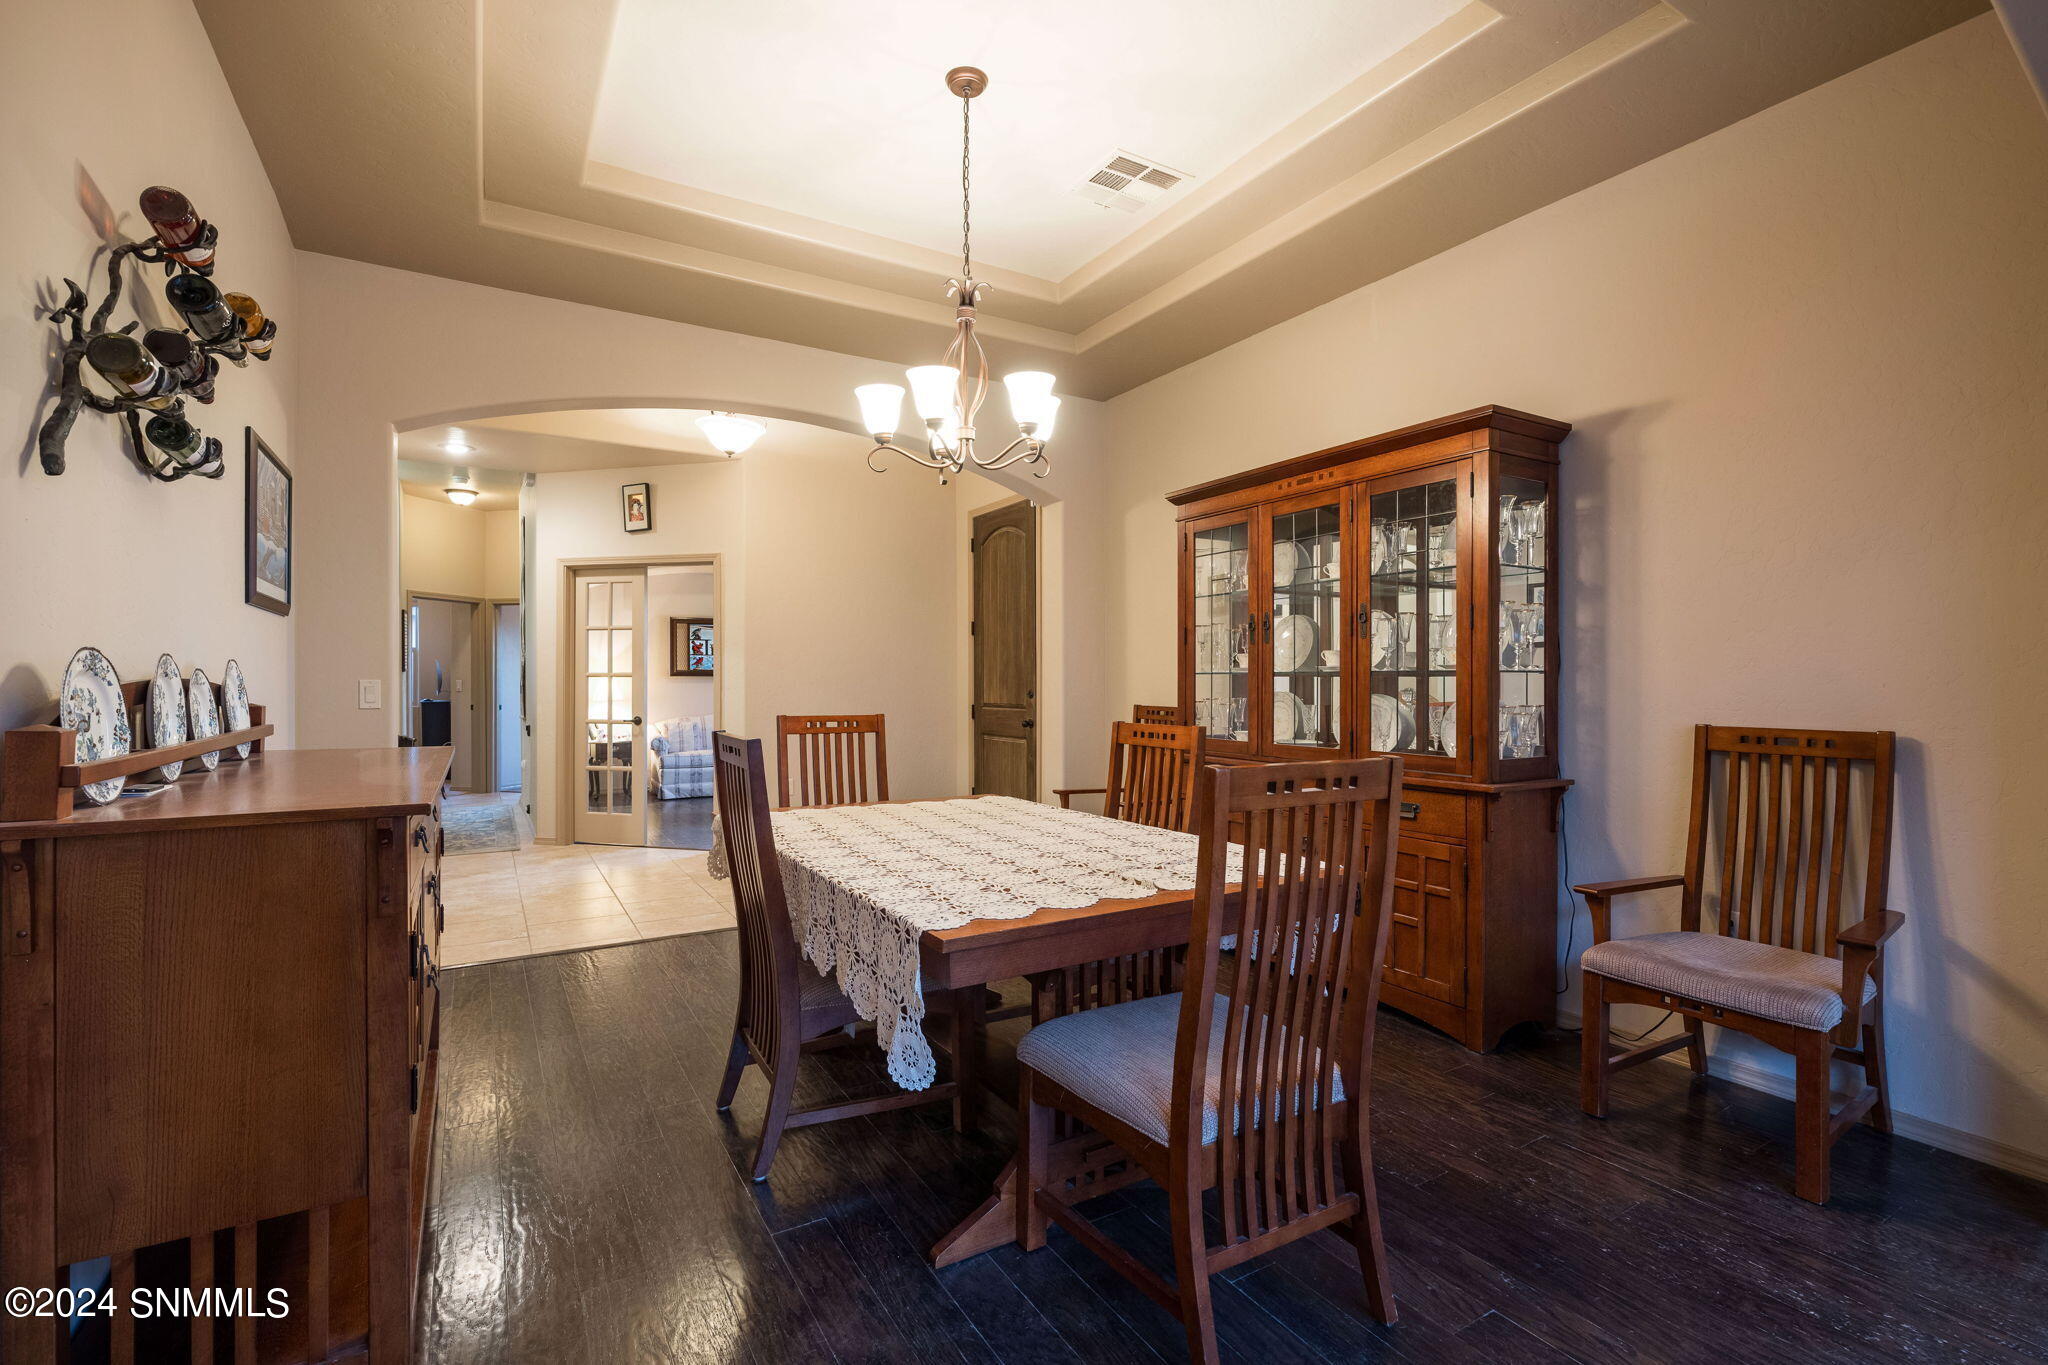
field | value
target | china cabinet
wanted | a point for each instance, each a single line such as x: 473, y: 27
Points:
x: 1395, y: 595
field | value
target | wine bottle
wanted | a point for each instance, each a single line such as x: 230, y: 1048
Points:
x: 198, y: 301
x: 257, y: 331
x: 175, y: 437
x: 175, y: 352
x: 186, y: 237
x: 132, y: 370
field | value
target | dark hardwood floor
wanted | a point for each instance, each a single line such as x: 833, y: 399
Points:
x: 588, y: 1206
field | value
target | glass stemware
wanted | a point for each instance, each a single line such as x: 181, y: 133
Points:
x: 1519, y: 621
x: 1443, y: 641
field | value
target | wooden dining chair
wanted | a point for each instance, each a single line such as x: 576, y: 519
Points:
x: 1802, y: 815
x: 832, y: 760
x: 1260, y: 1090
x: 1152, y: 771
x: 786, y: 1007
x: 1156, y: 715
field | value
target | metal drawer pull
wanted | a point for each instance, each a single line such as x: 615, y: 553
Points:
x: 1411, y: 810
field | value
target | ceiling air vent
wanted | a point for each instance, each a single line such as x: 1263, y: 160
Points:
x: 1128, y: 182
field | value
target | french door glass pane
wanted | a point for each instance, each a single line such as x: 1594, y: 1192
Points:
x: 1524, y: 627
x: 1308, y: 627
x: 1223, y: 630
x: 1412, y: 622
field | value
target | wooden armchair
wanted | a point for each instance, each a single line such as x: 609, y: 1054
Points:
x: 1776, y: 966
x: 1151, y: 775
x: 786, y: 1008
x: 831, y: 760
x: 1257, y: 1087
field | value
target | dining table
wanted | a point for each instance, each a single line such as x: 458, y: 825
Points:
x: 896, y: 899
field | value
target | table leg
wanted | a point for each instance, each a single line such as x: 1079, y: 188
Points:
x: 1093, y: 1164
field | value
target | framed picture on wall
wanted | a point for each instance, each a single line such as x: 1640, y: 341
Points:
x: 637, y: 506
x: 690, y: 647
x: 267, y: 529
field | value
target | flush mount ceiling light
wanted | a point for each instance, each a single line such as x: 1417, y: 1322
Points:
x: 948, y: 395
x: 730, y: 432
x: 461, y: 489
x: 455, y: 445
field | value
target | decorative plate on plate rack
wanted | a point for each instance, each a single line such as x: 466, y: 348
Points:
x: 205, y: 715
x: 167, y: 713
x: 234, y: 690
x: 1294, y: 643
x: 1287, y: 561
x: 1393, y: 724
x: 1288, y: 716
x: 89, y: 702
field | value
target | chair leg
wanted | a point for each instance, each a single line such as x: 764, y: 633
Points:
x: 1365, y: 1224
x: 970, y: 1010
x: 781, y: 1088
x: 1812, y: 1055
x: 1593, y: 1044
x: 1191, y: 1273
x: 735, y: 1063
x: 1873, y: 1064
x: 1034, y: 1147
x: 1696, y: 1050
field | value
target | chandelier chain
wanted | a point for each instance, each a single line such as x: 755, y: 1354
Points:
x: 966, y: 201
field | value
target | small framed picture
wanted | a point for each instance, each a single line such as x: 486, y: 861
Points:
x: 637, y: 506
x: 691, y: 652
x: 267, y: 529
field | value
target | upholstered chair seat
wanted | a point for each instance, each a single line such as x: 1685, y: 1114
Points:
x: 1120, y: 1059
x: 1801, y: 989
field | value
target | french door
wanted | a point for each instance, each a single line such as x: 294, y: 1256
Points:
x: 608, y: 645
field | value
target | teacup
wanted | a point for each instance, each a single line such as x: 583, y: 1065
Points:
x: 1331, y: 658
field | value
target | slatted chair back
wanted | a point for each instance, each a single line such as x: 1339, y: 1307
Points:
x: 1317, y: 901
x: 1791, y: 831
x: 769, y: 989
x: 836, y: 760
x: 1156, y: 715
x: 1152, y: 771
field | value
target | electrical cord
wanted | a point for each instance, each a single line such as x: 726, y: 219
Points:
x: 1564, y: 843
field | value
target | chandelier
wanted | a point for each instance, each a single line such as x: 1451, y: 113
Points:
x: 947, y: 396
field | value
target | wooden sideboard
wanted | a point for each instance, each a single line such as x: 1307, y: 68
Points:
x: 1395, y: 595
x: 220, y: 1016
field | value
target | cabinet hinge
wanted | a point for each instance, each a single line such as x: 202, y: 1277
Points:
x: 412, y: 1084
x: 974, y: 627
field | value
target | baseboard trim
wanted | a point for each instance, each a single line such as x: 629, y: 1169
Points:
x: 2019, y: 1161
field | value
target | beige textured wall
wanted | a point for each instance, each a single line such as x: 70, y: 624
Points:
x: 495, y: 351
x: 440, y: 547
x: 501, y: 555
x: 1806, y: 361
x: 104, y: 555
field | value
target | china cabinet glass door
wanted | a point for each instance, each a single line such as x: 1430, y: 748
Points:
x: 1304, y: 637
x: 1521, y: 651
x: 1410, y: 622
x: 1225, y: 628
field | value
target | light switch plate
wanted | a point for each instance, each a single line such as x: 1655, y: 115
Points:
x: 370, y: 694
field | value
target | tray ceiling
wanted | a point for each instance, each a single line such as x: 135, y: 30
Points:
x: 787, y: 168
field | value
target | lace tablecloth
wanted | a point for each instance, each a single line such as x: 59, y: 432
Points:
x: 863, y: 882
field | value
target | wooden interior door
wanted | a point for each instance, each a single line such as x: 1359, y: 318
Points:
x: 610, y: 794
x: 1005, y: 627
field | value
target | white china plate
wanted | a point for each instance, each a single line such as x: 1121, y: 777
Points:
x: 205, y: 715
x: 1286, y: 563
x: 1449, y: 738
x: 1393, y: 724
x: 89, y: 702
x: 167, y: 712
x: 234, y: 690
x: 1294, y: 643
x: 1288, y: 715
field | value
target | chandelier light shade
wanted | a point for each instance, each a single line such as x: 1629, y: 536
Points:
x: 729, y: 432
x: 948, y: 396
x: 461, y: 489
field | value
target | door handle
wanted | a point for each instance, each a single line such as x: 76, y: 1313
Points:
x: 636, y: 720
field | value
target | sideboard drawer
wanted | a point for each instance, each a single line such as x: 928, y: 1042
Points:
x: 1431, y: 814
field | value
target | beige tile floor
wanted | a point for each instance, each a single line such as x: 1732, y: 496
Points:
x: 547, y: 899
